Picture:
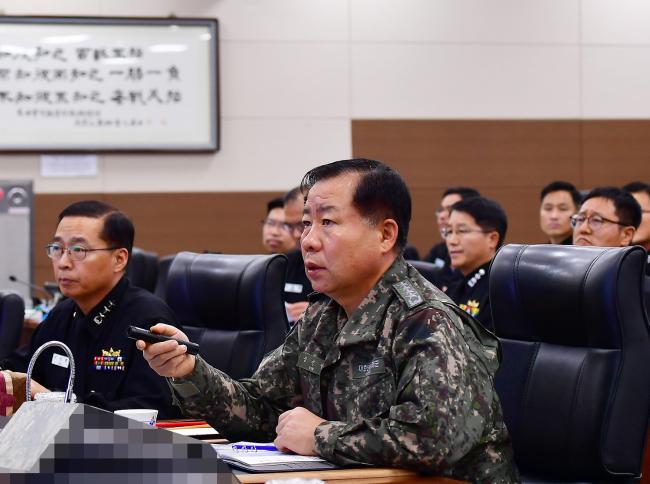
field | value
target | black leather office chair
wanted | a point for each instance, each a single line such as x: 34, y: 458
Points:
x: 12, y: 313
x: 143, y: 269
x: 430, y: 271
x: 575, y: 378
x: 164, y: 263
x: 231, y: 305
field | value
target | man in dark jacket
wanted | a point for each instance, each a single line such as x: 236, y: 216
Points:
x: 89, y: 253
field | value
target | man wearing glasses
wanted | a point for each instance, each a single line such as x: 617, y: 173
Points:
x: 476, y: 229
x: 608, y: 217
x: 438, y: 254
x: 89, y: 253
x: 277, y: 235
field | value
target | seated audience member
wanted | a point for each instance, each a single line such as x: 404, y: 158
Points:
x: 381, y: 369
x: 438, y: 254
x: 608, y: 217
x: 276, y: 234
x: 476, y: 229
x: 89, y: 253
x: 297, y: 286
x: 560, y: 200
x: 641, y: 193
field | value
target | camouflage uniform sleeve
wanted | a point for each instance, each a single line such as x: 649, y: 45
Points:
x: 246, y: 409
x: 441, y: 419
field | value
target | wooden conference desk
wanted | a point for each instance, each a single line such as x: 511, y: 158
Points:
x: 335, y: 476
x: 352, y: 476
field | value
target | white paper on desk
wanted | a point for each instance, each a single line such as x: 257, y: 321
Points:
x: 194, y: 432
x: 260, y: 457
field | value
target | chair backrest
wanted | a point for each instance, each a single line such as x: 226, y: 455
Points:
x: 164, y: 263
x: 231, y: 305
x: 575, y: 377
x: 142, y: 270
x: 430, y: 271
x: 12, y: 313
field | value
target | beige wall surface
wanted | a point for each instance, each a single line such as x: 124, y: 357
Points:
x: 502, y: 87
x: 295, y: 73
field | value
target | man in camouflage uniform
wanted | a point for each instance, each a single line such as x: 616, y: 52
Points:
x: 382, y: 368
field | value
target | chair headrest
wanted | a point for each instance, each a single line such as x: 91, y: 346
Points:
x: 225, y: 291
x: 566, y: 295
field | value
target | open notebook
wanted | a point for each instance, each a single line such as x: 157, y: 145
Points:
x: 268, y: 460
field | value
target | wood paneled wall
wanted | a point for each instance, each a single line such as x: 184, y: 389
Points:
x: 167, y: 223
x: 509, y: 161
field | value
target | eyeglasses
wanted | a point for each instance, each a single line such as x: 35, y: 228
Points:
x: 594, y: 221
x: 461, y: 232
x: 75, y: 252
x: 276, y: 224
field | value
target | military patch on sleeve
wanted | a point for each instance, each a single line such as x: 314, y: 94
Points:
x: 407, y: 291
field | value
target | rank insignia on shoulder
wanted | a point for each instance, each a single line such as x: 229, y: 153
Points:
x: 407, y: 291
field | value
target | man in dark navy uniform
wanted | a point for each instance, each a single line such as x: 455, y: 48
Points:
x: 438, y: 254
x: 477, y: 227
x: 89, y: 254
x: 297, y: 286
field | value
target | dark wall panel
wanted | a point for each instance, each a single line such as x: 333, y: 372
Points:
x: 168, y: 222
x: 507, y: 160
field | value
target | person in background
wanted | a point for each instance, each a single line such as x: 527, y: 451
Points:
x: 276, y: 234
x: 641, y: 193
x: 476, y: 229
x: 89, y: 254
x: 381, y: 369
x: 438, y: 254
x: 297, y: 286
x: 608, y: 217
x: 559, y: 200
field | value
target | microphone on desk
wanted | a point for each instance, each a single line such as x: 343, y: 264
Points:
x: 13, y: 278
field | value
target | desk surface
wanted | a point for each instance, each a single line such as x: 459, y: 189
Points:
x: 353, y: 476
x: 338, y: 476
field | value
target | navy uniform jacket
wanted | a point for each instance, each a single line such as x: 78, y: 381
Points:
x: 111, y: 372
x: 471, y: 294
x: 297, y: 286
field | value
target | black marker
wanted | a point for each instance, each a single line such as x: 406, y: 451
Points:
x: 136, y: 333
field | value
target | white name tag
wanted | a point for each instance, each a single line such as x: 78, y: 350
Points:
x: 60, y: 360
x: 295, y: 288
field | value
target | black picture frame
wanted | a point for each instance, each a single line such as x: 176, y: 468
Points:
x: 109, y: 84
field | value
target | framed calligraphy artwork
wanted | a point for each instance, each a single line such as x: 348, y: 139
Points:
x: 87, y: 84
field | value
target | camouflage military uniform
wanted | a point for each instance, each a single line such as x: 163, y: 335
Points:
x: 406, y: 381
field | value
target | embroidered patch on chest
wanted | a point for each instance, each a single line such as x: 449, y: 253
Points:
x: 362, y: 369
x: 110, y: 360
x: 472, y: 307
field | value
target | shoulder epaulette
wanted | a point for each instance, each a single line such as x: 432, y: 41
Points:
x: 408, y: 293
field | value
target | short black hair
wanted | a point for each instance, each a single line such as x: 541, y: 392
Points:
x: 487, y: 214
x: 292, y: 194
x: 118, y: 230
x: 464, y: 192
x: 274, y: 203
x: 562, y: 186
x: 380, y: 194
x: 626, y: 207
x: 636, y: 187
